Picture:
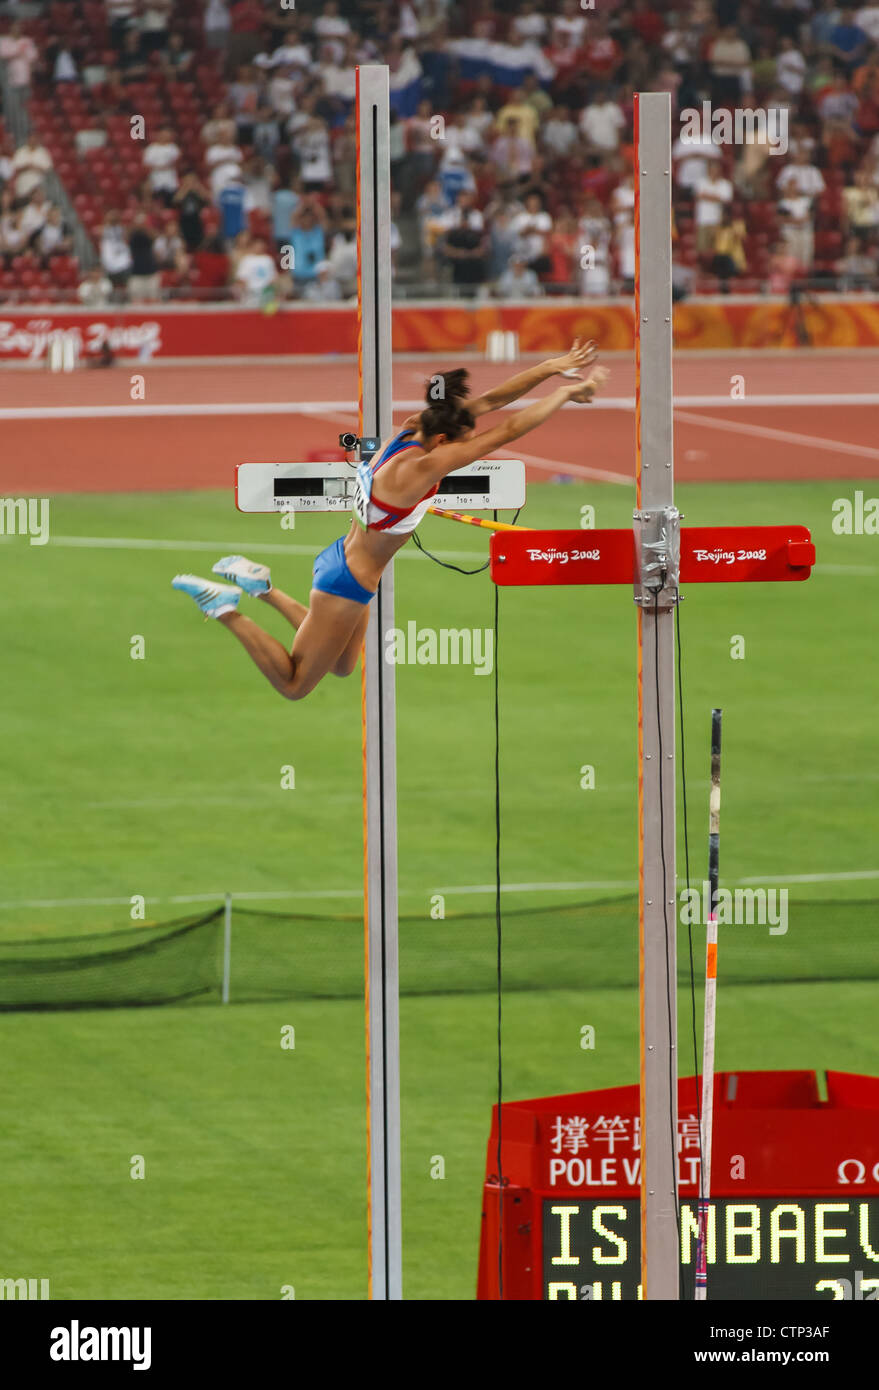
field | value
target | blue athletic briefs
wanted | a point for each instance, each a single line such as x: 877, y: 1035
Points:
x: 332, y: 575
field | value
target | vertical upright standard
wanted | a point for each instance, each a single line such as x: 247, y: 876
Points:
x: 656, y: 529
x: 657, y: 556
x: 379, y: 711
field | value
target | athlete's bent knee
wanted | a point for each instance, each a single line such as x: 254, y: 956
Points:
x: 292, y: 691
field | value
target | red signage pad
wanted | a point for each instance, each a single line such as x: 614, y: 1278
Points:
x: 709, y: 554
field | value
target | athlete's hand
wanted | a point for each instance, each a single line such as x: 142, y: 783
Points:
x: 581, y: 355
x: 583, y: 391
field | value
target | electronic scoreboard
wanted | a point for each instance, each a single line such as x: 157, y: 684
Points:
x: 795, y: 1199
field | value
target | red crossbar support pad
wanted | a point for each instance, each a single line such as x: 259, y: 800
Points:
x: 709, y: 554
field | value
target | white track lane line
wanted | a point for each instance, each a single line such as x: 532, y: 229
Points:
x: 227, y: 547
x: 247, y: 408
x: 806, y: 441
x: 852, y: 876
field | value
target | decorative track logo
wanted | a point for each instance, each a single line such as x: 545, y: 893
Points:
x: 32, y: 338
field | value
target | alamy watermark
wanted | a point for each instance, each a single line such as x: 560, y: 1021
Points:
x: 76, y: 1343
x: 737, y: 907
x: 25, y: 516
x: 857, y: 516
x: 745, y: 125
x: 444, y: 646
x: 32, y: 1289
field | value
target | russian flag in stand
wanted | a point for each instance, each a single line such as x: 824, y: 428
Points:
x: 506, y: 64
x: 406, y: 84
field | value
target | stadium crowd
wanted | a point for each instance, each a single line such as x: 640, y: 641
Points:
x: 207, y: 147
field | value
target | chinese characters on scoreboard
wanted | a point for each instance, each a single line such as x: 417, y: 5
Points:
x: 604, y: 1151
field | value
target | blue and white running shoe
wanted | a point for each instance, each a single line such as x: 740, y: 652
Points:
x: 253, y: 579
x: 213, y: 599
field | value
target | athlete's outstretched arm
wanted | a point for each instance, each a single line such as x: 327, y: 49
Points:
x: 581, y: 355
x: 430, y: 468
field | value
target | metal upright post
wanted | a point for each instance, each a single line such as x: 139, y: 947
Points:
x: 379, y: 713
x: 656, y: 534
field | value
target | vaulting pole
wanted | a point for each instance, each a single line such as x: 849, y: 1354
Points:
x: 660, y: 1261
x: 379, y: 711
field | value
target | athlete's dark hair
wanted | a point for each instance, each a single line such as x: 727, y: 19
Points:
x: 445, y: 413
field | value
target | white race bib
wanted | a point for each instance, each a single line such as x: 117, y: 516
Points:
x: 362, y: 493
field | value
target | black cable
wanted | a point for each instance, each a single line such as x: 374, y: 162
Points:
x: 445, y: 563
x: 457, y: 568
x: 499, y: 929
x: 690, y: 915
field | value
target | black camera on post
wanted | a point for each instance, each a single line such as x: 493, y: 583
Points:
x: 363, y: 448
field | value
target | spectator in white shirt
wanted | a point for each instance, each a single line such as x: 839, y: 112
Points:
x: 595, y: 236
x: 95, y: 289
x: 114, y: 251
x: 53, y: 239
x: 622, y: 201
x: 343, y: 263
x: 219, y: 129
x: 729, y: 59
x: 558, y: 134
x: 161, y: 157
x: 868, y: 20
x: 790, y: 68
x: 30, y: 164
x: 35, y: 214
x: 797, y: 229
x: 712, y: 195
x: 12, y: 235
x: 530, y: 23
x: 152, y: 23
x: 692, y: 158
x: 65, y: 69
x: 223, y: 163
x: 256, y: 273
x: 569, y: 27
x: 338, y: 80
x: 624, y: 242
x: 20, y: 53
x: 531, y: 228
x: 217, y: 23
x: 407, y: 24
x: 460, y: 135
x: 519, y: 281
x: 324, y: 288
x: 311, y: 145
x: 602, y: 122
x: 331, y: 27
x: 281, y: 92
x: 120, y: 13
x: 680, y: 40
x: 7, y: 156
x: 294, y: 57
x: 464, y: 213
x: 801, y: 177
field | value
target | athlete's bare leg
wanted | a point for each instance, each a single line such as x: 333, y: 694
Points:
x: 351, y: 655
x: 296, y: 613
x: 324, y: 634
x: 293, y: 611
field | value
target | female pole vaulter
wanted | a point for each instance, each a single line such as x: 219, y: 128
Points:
x: 393, y: 493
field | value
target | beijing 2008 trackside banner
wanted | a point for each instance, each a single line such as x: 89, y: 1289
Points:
x: 448, y: 327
